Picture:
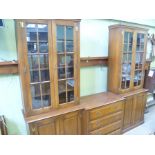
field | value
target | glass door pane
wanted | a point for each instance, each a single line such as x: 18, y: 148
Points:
x: 37, y: 45
x: 126, y: 60
x: 65, y: 62
x: 139, y: 59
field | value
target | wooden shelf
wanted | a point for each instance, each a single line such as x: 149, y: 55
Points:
x: 9, y: 67
x: 93, y: 61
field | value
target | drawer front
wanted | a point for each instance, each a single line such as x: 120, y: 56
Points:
x: 96, y: 124
x: 116, y: 132
x: 107, y: 129
x: 105, y: 110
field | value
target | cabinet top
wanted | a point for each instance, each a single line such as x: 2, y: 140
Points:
x: 24, y: 20
x: 87, y: 102
x: 123, y: 26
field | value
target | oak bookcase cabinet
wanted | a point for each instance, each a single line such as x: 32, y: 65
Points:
x: 127, y: 53
x: 49, y: 64
x: 48, y: 52
x: 127, y: 50
x: 49, y: 67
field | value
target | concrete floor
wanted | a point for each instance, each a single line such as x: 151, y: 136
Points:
x: 148, y: 128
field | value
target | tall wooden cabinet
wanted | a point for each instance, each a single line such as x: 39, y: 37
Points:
x: 127, y: 53
x: 49, y: 64
x: 127, y: 50
x: 49, y: 60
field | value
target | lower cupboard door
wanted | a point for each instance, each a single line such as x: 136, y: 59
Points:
x: 44, y: 127
x: 70, y: 124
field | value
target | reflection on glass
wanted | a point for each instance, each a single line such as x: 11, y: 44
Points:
x: 60, y: 32
x: 69, y: 46
x: 36, y: 96
x: 43, y: 36
x: 36, y: 102
x: 35, y: 90
x: 128, y: 37
x: 34, y: 76
x: 61, y: 60
x: 126, y: 68
x: 137, y: 78
x: 62, y: 91
x: 139, y: 57
x: 126, y: 71
x: 45, y: 88
x: 70, y: 72
x: 69, y: 33
x: 45, y: 75
x: 60, y: 47
x: 33, y: 61
x: 61, y: 73
x: 31, y: 32
x: 43, y: 32
x: 140, y: 42
x: 46, y: 100
x: 70, y: 90
x: 69, y: 59
x: 127, y: 48
x: 32, y: 47
x: 43, y: 47
x: 44, y: 61
x: 125, y: 83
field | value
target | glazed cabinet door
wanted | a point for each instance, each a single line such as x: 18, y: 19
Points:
x: 35, y: 64
x: 139, y: 59
x: 45, y: 127
x: 70, y: 124
x: 66, y: 50
x: 127, y: 57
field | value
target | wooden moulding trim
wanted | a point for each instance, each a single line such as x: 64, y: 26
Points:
x: 9, y: 67
x: 127, y: 26
x: 93, y: 61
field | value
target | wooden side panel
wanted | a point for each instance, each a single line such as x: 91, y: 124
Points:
x: 113, y: 59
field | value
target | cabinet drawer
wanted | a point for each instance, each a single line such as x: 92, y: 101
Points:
x: 96, y: 124
x: 116, y: 132
x: 107, y: 129
x: 105, y: 110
